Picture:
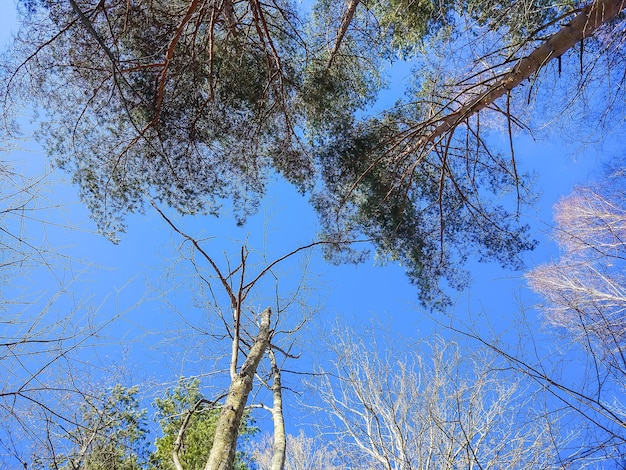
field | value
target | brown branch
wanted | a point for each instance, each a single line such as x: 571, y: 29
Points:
x: 345, y: 23
x: 582, y: 26
x: 249, y: 285
x: 141, y: 67
x: 178, y: 443
x: 169, y: 55
x: 89, y: 26
x: 538, y: 374
x: 258, y: 12
x: 197, y: 246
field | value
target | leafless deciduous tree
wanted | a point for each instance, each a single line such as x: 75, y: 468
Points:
x: 303, y: 453
x: 591, y: 397
x: 438, y: 406
x: 24, y: 207
x: 46, y: 355
x: 585, y: 290
x: 585, y: 298
x: 47, y: 328
x: 253, y: 336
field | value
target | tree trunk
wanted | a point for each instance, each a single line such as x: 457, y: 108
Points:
x: 280, y: 441
x: 222, y: 455
x: 582, y: 26
x: 345, y: 23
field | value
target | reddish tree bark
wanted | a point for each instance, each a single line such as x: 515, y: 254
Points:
x: 582, y: 26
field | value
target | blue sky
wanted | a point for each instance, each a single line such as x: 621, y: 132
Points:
x: 130, y: 278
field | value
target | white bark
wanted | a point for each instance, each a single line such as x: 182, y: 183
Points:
x: 222, y: 455
x: 280, y: 441
x: 440, y: 408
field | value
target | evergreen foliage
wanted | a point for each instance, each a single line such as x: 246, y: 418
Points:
x: 113, y: 432
x: 199, y: 433
x: 199, y: 104
x: 111, y: 436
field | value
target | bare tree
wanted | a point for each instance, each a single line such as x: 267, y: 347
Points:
x: 436, y: 406
x: 47, y: 326
x: 303, y: 453
x: 585, y: 290
x: 46, y: 357
x: 585, y: 299
x: 25, y: 207
x: 253, y: 336
x: 574, y: 384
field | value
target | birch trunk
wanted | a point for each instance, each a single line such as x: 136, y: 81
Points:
x: 222, y: 455
x: 280, y: 440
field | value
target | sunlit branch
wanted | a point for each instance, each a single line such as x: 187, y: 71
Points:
x: 582, y: 26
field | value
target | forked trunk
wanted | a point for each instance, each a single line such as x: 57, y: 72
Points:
x: 222, y: 455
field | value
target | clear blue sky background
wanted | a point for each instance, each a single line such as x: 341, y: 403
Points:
x: 130, y: 278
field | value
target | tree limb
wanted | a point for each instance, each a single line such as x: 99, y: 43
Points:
x: 345, y: 23
x: 582, y: 26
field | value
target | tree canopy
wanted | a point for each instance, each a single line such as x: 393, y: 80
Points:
x: 199, y: 104
x: 111, y: 434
